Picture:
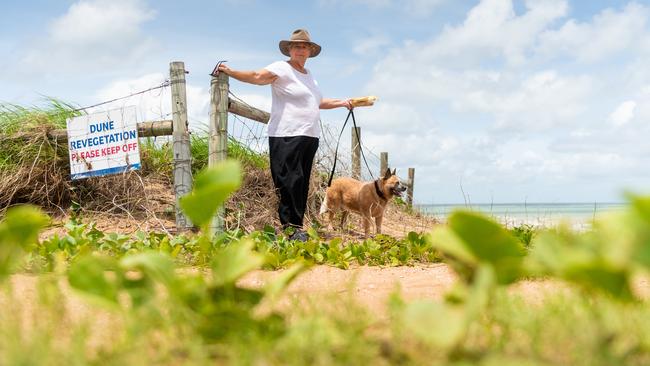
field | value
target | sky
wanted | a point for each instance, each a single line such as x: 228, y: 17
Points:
x: 492, y: 101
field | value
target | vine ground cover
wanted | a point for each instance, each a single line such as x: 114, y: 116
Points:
x: 164, y: 315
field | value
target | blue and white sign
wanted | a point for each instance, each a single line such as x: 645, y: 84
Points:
x: 103, y: 143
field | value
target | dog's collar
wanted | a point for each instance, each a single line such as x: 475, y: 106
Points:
x: 379, y: 192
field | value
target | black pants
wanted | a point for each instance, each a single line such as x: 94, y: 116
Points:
x: 291, y: 162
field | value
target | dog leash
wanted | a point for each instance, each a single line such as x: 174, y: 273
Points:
x: 336, y: 151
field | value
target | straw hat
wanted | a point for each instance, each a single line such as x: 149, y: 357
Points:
x: 299, y: 35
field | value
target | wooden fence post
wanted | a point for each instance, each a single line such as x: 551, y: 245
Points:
x: 383, y: 163
x: 180, y: 141
x: 218, y: 144
x: 409, y: 191
x: 356, y: 152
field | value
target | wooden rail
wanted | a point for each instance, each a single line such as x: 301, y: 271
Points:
x: 165, y: 127
x: 145, y: 129
x: 247, y: 111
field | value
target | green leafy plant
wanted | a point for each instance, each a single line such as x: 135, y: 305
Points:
x: 18, y: 236
x: 525, y: 233
x: 211, y: 189
x: 471, y: 239
x: 202, y: 314
x: 215, y: 306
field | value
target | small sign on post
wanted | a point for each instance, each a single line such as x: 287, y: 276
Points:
x: 103, y: 143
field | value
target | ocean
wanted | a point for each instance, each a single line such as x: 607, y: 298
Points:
x: 579, y: 215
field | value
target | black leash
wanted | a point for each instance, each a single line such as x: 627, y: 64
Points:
x: 336, y: 151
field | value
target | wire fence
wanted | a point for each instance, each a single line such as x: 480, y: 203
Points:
x: 150, y: 102
x: 153, y: 104
x: 253, y: 135
x: 249, y: 133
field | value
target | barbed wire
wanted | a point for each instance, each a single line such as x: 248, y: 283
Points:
x: 253, y: 135
x: 165, y: 84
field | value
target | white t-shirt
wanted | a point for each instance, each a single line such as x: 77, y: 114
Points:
x: 295, y: 102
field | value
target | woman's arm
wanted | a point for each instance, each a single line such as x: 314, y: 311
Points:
x: 259, y: 77
x: 328, y: 103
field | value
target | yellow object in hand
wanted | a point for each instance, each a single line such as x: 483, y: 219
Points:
x: 363, y: 101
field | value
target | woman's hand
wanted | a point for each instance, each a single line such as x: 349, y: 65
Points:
x: 224, y: 68
x: 348, y: 104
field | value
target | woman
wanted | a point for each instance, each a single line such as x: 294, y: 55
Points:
x: 294, y: 126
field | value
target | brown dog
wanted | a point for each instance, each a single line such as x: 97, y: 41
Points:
x: 368, y: 199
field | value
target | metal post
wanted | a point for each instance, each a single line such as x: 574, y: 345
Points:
x: 181, y: 142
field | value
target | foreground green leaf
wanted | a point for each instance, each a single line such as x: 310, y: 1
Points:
x: 97, y: 278
x: 18, y: 234
x: 471, y: 238
x: 235, y: 261
x: 211, y: 189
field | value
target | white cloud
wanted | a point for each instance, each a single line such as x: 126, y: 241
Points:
x: 450, y: 68
x: 487, y: 65
x: 609, y: 32
x: 368, y: 3
x: 100, y: 21
x: 153, y: 105
x: 415, y: 8
x: 92, y: 35
x: 421, y: 8
x: 493, y: 30
x: 517, y: 114
x: 623, y: 114
x: 542, y: 101
x: 370, y: 45
x: 387, y: 117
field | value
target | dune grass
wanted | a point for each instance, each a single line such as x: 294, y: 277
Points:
x: 36, y: 169
x: 15, y: 118
x: 22, y: 128
x: 158, y: 158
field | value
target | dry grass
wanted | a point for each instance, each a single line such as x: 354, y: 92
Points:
x: 148, y: 205
x: 35, y: 169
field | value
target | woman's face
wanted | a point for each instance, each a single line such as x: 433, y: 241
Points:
x: 300, y: 51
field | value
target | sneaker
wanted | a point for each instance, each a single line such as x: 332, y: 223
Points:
x: 299, y: 235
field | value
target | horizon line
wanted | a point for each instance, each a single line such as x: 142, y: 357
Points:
x: 519, y: 203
